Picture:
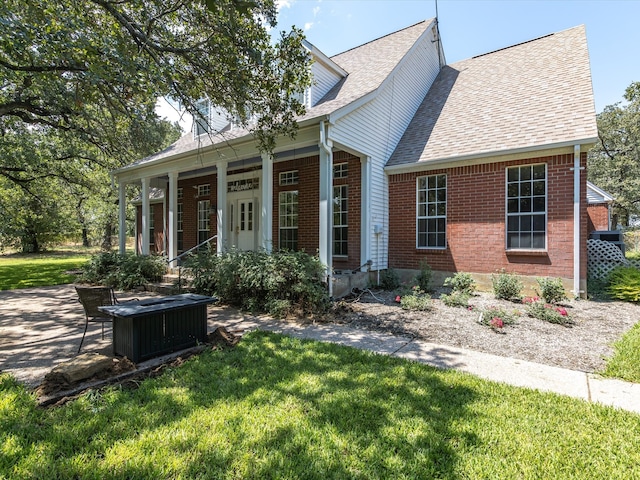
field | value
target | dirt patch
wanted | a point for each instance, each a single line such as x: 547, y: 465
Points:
x: 56, y: 389
x: 583, y: 346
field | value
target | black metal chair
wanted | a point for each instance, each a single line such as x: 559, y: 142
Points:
x: 91, y: 298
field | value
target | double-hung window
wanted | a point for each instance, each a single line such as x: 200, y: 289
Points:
x: 202, y: 118
x: 288, y: 220
x: 340, y: 221
x: 152, y: 229
x: 431, y: 225
x: 527, y: 207
x: 204, y: 210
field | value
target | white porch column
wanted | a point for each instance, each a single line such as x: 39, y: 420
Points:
x: 145, y: 216
x: 122, y: 218
x: 326, y: 205
x: 365, y: 211
x: 267, y: 203
x: 172, y: 249
x: 221, y: 216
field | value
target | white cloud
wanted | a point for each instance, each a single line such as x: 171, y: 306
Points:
x: 308, y: 25
x: 280, y: 4
x: 316, y: 10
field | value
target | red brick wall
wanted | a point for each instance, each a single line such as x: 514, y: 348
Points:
x: 308, y: 188
x: 476, y: 221
x: 190, y: 201
x: 598, y: 217
x: 158, y: 233
x: 308, y: 206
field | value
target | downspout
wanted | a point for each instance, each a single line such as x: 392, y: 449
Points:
x: 576, y: 220
x: 325, y: 144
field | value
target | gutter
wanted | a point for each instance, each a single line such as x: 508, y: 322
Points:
x: 482, y: 157
x: 223, y: 143
x: 576, y: 220
x: 326, y: 144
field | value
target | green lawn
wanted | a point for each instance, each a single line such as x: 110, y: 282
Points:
x: 38, y: 270
x: 625, y: 363
x: 277, y: 407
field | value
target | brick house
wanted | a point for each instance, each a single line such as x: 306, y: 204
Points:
x: 599, y: 205
x: 474, y: 166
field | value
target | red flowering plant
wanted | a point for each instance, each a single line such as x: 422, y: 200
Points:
x: 497, y: 318
x: 549, y: 313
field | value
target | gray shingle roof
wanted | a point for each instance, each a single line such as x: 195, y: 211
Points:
x: 526, y: 96
x: 368, y: 66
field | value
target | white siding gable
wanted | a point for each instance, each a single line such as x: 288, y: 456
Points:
x: 323, y: 80
x: 376, y: 127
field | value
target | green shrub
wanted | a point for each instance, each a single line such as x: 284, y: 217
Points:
x: 456, y: 299
x: 416, y: 300
x: 507, y: 286
x: 490, y: 314
x: 389, y: 279
x: 624, y: 284
x: 461, y: 282
x: 548, y: 313
x: 279, y: 283
x: 424, y: 277
x: 123, y: 272
x: 551, y: 289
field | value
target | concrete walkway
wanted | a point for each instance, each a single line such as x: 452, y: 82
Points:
x: 41, y: 327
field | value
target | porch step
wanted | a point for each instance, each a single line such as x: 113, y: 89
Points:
x: 169, y: 284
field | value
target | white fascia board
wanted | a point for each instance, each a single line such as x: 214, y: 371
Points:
x: 231, y: 150
x: 491, y: 157
x: 347, y: 109
x: 607, y: 197
x: 322, y: 58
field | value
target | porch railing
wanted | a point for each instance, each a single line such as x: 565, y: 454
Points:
x: 179, y: 258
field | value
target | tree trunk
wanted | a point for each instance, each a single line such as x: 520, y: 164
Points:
x: 30, y: 241
x: 107, y: 240
x: 85, y: 237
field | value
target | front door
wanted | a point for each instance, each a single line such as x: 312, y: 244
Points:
x: 243, y: 225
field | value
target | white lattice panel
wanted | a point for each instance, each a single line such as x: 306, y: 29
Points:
x: 602, y: 257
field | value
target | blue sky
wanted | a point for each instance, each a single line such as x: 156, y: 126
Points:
x: 472, y: 27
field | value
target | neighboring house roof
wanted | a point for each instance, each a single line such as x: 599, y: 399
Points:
x: 367, y: 66
x: 597, y: 195
x: 525, y: 97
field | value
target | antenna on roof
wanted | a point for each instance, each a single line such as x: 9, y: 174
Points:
x: 441, y: 60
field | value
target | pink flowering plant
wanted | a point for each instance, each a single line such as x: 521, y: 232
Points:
x: 497, y: 318
x: 549, y: 312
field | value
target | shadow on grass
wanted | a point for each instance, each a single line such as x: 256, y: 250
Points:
x: 274, y: 407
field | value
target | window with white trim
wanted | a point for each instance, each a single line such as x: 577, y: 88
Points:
x: 204, y: 190
x: 340, y: 223
x: 179, y: 217
x: 202, y: 118
x: 180, y: 193
x: 289, y: 178
x: 204, y: 210
x: 431, y: 223
x: 527, y: 207
x: 288, y: 220
x: 152, y: 229
x: 341, y: 170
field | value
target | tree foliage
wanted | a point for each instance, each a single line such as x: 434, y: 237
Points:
x: 79, y: 81
x: 614, y: 163
x: 86, y: 66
